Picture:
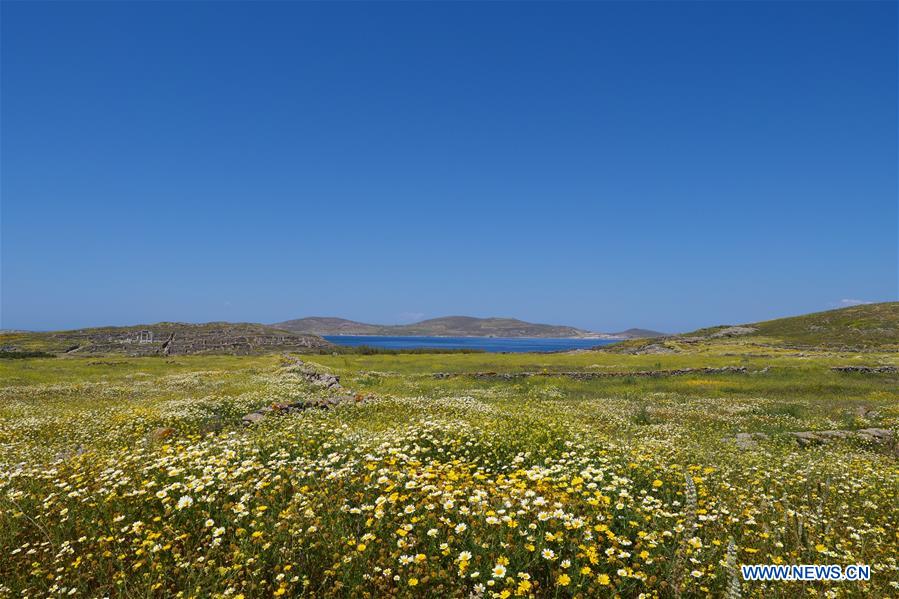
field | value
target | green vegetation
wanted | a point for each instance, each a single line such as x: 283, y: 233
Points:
x: 865, y: 327
x: 456, y: 484
x: 129, y: 476
x: 870, y: 325
x: 21, y: 355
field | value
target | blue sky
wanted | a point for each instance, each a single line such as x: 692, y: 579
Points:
x: 604, y: 165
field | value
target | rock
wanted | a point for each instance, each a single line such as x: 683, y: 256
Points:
x: 167, y: 345
x: 585, y: 376
x: 654, y: 348
x: 866, y: 369
x: 253, y: 418
x: 329, y: 381
x: 732, y: 332
x: 862, y: 411
x: 834, y: 434
x: 325, y: 380
x: 745, y: 441
x: 213, y: 425
x: 880, y: 434
x: 875, y: 435
x: 807, y: 438
x: 161, y: 433
x: 749, y: 440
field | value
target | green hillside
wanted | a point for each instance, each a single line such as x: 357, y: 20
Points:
x: 857, y: 326
x: 867, y: 326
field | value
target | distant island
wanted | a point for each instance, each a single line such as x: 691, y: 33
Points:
x: 453, y: 326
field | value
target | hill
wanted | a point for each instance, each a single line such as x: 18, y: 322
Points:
x: 323, y: 325
x: 867, y: 326
x: 451, y: 326
x: 638, y: 334
x: 166, y: 338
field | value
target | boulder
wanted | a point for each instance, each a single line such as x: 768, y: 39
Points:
x: 877, y: 434
x: 163, y: 432
x: 866, y: 369
x: 252, y: 418
x: 807, y: 438
x: 749, y: 440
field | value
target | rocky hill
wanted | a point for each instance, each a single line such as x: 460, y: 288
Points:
x: 166, y: 338
x: 451, y: 326
x: 323, y: 325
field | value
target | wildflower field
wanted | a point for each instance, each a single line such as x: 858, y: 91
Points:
x: 134, y: 477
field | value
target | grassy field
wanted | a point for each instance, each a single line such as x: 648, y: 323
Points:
x: 133, y: 477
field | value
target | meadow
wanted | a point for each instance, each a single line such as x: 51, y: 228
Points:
x: 134, y: 477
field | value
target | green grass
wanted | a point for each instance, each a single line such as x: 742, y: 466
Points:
x: 870, y: 325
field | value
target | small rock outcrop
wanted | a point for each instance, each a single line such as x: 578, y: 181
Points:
x: 872, y: 435
x: 161, y: 433
x: 585, y: 376
x: 750, y: 440
x: 878, y: 436
x: 327, y: 382
x: 733, y: 332
x: 866, y: 369
x: 654, y: 348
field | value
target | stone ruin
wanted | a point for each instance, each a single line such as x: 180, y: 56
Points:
x: 328, y: 382
x: 177, y: 339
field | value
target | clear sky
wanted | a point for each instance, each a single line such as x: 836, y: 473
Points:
x: 605, y: 165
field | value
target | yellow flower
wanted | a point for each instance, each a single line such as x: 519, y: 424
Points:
x: 819, y: 548
x: 603, y: 579
x: 656, y: 483
x: 564, y: 579
x: 360, y: 547
x: 413, y: 582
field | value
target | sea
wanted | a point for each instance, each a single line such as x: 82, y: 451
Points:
x: 487, y: 344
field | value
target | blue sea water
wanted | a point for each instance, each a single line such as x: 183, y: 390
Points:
x: 488, y: 344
